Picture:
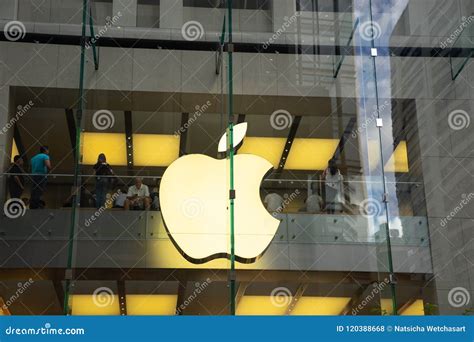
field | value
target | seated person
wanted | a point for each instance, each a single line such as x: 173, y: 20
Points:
x: 155, y: 199
x: 138, y: 196
x: 273, y: 202
x: 314, y: 204
x: 120, y: 198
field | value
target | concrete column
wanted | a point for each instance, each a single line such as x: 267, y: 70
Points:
x: 8, y: 9
x: 128, y: 8
x: 446, y: 166
x: 171, y: 14
x: 283, y: 10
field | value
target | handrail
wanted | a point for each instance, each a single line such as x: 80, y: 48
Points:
x: 281, y: 180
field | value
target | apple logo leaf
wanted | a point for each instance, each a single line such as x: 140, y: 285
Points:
x: 240, y: 130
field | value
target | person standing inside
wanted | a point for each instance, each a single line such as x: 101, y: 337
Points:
x: 40, y: 166
x: 16, y: 178
x: 102, y: 172
x: 334, y: 186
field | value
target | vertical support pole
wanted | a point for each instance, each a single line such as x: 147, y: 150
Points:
x: 230, y: 144
x: 93, y: 40
x: 77, y: 157
x: 387, y: 225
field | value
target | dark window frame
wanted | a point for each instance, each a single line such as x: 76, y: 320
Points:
x: 236, y: 4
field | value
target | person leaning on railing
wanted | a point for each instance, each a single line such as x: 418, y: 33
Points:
x: 334, y: 188
x: 102, y: 171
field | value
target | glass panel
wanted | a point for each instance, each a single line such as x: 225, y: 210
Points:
x: 148, y: 13
x: 324, y: 181
x: 350, y: 178
x: 423, y: 137
x: 38, y: 101
x: 61, y: 12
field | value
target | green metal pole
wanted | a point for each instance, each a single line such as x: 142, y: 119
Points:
x: 93, y: 42
x: 230, y: 140
x: 387, y: 215
x: 75, y: 198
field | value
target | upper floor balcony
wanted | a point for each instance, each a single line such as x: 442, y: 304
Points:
x: 310, y: 236
x: 328, y: 24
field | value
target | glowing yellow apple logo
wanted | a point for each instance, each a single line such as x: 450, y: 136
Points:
x: 194, y: 198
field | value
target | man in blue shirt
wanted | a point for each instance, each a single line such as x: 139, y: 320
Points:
x: 40, y: 166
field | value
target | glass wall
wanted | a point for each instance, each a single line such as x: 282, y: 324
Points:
x: 265, y: 158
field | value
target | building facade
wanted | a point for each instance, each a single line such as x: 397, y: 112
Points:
x: 348, y: 190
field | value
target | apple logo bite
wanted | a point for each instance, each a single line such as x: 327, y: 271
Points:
x: 194, y: 198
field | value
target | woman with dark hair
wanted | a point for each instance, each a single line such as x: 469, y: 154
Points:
x: 334, y: 188
x: 102, y: 170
